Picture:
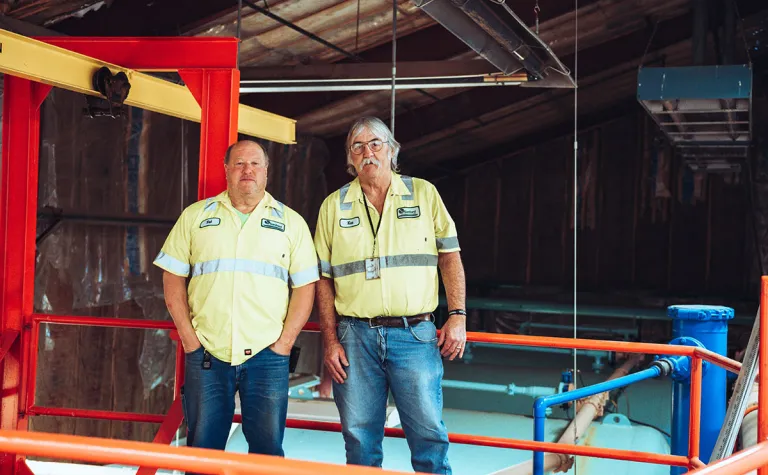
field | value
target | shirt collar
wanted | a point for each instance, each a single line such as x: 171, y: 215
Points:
x: 355, y: 191
x: 268, y: 200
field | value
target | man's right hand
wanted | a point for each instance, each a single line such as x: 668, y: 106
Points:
x: 191, y: 344
x: 335, y: 360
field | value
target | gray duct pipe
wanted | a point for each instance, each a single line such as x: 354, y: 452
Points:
x: 453, y: 20
x: 481, y: 13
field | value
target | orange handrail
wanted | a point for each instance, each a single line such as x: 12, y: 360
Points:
x: 131, y: 453
x: 697, y: 356
x: 755, y: 457
x: 519, y: 444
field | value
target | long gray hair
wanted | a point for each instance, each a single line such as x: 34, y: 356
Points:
x: 380, y: 130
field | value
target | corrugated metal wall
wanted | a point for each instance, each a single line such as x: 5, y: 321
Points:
x: 647, y: 223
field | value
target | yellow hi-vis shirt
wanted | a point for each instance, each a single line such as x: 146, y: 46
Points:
x: 415, y: 227
x: 238, y: 291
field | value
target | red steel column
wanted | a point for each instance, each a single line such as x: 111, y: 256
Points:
x: 18, y: 209
x: 218, y: 93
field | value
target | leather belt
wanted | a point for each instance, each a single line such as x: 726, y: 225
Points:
x: 397, y: 321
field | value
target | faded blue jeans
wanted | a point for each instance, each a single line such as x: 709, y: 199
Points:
x: 208, y: 399
x: 406, y: 361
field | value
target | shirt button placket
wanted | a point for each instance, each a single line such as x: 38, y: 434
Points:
x: 236, y: 343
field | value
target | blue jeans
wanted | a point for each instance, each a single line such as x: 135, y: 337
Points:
x: 208, y: 399
x: 406, y: 361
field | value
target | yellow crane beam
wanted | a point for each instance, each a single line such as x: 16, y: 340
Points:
x: 58, y: 67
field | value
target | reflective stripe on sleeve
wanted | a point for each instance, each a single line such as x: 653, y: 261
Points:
x: 447, y: 243
x: 171, y: 264
x: 304, y: 277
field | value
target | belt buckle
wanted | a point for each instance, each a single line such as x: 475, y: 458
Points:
x: 371, y: 325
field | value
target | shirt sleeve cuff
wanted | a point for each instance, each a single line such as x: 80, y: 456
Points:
x: 171, y: 264
x: 304, y: 277
x: 447, y: 244
x: 325, y: 269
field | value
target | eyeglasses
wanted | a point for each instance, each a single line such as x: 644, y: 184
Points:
x: 375, y: 145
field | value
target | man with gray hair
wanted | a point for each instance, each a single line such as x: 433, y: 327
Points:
x: 381, y: 239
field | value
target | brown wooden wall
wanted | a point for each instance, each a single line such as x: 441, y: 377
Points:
x: 142, y: 164
x: 647, y: 223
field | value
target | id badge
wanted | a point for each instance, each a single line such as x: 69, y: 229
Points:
x: 372, y: 270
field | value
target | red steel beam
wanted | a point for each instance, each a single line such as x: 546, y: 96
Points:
x: 22, y: 468
x: 154, y: 54
x: 31, y: 365
x: 218, y: 93
x: 18, y: 210
x: 8, y: 339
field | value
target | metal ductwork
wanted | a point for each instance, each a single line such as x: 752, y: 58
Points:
x: 480, y: 12
x: 455, y: 21
x: 508, y: 45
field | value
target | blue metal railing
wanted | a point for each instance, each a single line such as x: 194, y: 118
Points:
x: 541, y: 404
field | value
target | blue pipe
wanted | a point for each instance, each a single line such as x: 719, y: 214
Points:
x: 542, y: 403
x: 707, y: 326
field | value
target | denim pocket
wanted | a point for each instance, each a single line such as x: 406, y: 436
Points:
x: 425, y: 332
x: 199, y: 350
x: 276, y: 353
x: 342, y: 329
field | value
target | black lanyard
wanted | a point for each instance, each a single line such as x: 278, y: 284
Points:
x: 370, y: 222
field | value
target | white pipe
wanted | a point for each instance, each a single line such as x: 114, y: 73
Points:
x: 370, y: 87
x: 748, y: 430
x: 510, y: 389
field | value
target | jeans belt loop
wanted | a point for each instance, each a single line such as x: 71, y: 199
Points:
x: 405, y: 322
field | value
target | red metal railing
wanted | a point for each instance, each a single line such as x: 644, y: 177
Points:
x: 172, y: 421
x: 157, y: 456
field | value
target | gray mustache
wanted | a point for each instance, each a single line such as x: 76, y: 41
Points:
x: 369, y: 161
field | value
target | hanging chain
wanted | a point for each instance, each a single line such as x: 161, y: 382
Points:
x: 536, y: 11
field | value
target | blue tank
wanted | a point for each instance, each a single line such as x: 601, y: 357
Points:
x: 708, y: 326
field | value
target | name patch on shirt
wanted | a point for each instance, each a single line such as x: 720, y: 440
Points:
x: 210, y: 222
x: 349, y: 223
x: 408, y: 212
x: 269, y: 224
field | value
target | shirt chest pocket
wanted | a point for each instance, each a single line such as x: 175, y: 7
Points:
x: 269, y: 245
x: 414, y: 230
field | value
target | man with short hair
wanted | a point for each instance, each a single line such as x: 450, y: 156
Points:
x: 238, y: 319
x: 380, y: 240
